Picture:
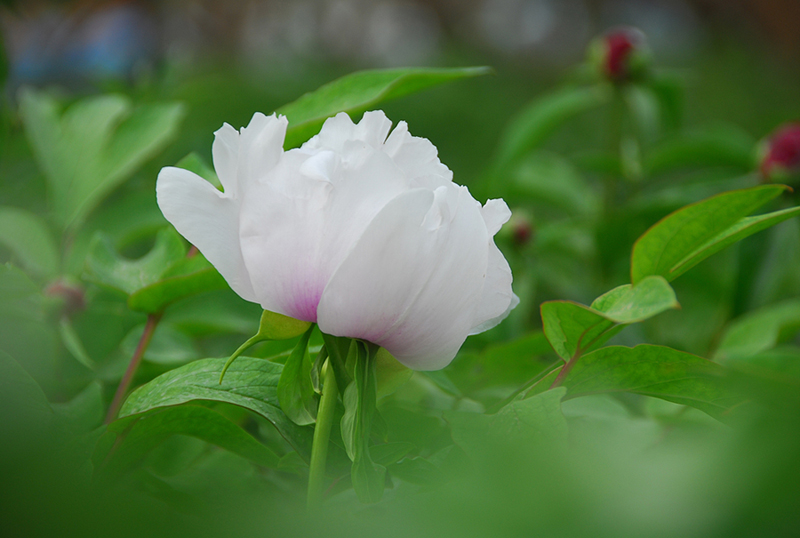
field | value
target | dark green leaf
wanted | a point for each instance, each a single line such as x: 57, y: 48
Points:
x: 542, y: 118
x: 85, y: 411
x: 250, y: 383
x: 95, y: 145
x: 28, y: 238
x: 663, y: 249
x: 360, y: 91
x: 295, y: 391
x: 759, y: 330
x: 338, y: 349
x: 656, y: 371
x: 389, y: 453
x: 135, y: 436
x: 723, y: 146
x: 552, y: 181
x: 168, y: 346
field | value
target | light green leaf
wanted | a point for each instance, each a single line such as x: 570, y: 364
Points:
x: 194, y: 163
x: 28, y: 238
x: 295, y: 391
x: 106, y: 267
x: 664, y: 248
x: 744, y: 228
x: 94, y: 146
x: 523, y: 421
x: 361, y: 91
x: 185, y: 277
x: 360, y: 400
x: 129, y: 439
x: 656, y: 371
x: 759, y: 330
x: 250, y: 383
x: 574, y: 328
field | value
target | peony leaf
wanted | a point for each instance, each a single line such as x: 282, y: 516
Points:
x: 28, y: 238
x: 129, y: 439
x: 295, y: 391
x: 574, y: 328
x: 759, y: 330
x: 721, y: 146
x: 687, y: 236
x: 361, y: 91
x: 657, y: 371
x: 360, y: 399
x: 92, y: 147
x: 250, y: 383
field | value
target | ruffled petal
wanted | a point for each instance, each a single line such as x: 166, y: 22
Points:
x: 418, y: 158
x: 497, y: 299
x: 412, y: 282
x: 225, y: 153
x: 209, y: 220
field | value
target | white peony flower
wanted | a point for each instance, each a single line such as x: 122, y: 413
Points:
x: 365, y: 235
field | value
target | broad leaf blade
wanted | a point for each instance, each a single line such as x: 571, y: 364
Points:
x: 187, y: 276
x: 744, y: 228
x: 135, y: 436
x: 655, y: 371
x: 759, y: 330
x: 27, y: 236
x: 249, y: 383
x: 359, y: 91
x: 295, y: 391
x: 572, y: 327
x: 108, y: 268
x: 668, y: 242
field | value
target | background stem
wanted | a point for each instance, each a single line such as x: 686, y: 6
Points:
x: 125, y: 382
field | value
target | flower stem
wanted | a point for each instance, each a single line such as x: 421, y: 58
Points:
x: 125, y: 382
x: 322, y: 432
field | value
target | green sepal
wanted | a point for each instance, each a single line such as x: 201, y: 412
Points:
x: 295, y: 391
x: 273, y: 326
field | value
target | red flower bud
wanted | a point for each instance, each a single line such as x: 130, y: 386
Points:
x: 781, y: 154
x: 619, y: 54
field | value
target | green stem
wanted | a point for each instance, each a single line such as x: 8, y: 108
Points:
x: 322, y: 432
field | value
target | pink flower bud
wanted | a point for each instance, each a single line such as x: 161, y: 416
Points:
x: 781, y: 153
x: 620, y: 54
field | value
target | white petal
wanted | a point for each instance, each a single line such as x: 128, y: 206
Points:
x: 411, y: 285
x: 209, y: 220
x: 417, y: 158
x: 225, y: 153
x: 261, y: 145
x: 497, y: 299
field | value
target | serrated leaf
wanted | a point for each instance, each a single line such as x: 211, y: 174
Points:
x: 95, y: 145
x: 295, y: 391
x: 657, y: 371
x: 250, y: 383
x: 360, y: 91
x: 574, y: 328
x: 29, y: 239
x: 129, y: 439
x: 663, y: 249
x: 759, y: 330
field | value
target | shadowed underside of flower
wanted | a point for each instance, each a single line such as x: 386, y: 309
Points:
x: 359, y: 230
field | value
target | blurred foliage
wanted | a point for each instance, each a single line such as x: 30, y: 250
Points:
x: 534, y: 429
